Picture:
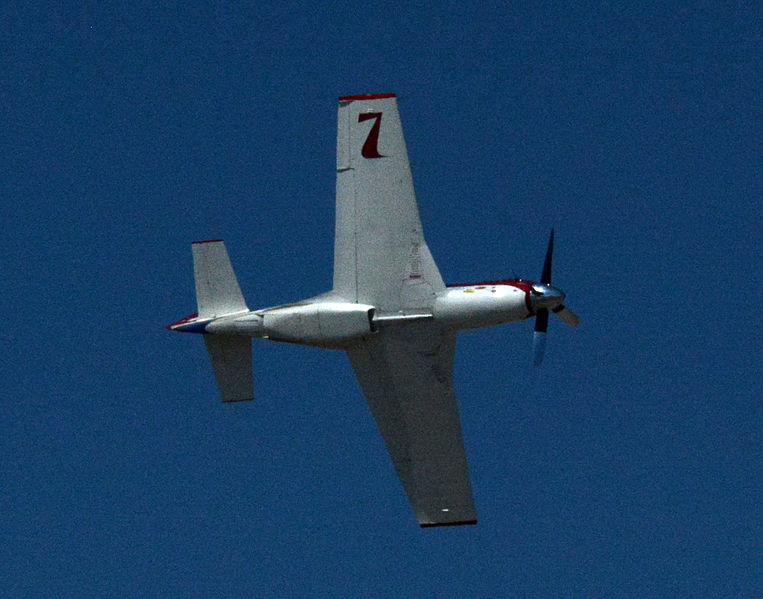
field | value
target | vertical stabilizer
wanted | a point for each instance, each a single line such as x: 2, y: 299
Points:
x: 217, y: 290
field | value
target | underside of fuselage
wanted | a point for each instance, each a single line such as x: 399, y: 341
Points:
x: 327, y: 321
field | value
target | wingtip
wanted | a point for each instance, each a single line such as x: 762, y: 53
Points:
x: 439, y: 524
x: 345, y: 99
x: 206, y: 241
x: 232, y: 400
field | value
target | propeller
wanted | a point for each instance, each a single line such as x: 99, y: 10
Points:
x: 544, y: 298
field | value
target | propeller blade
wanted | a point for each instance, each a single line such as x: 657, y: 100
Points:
x: 541, y: 321
x: 567, y: 315
x: 541, y: 318
x: 545, y: 277
x: 539, y: 336
x: 546, y: 295
x: 539, y: 347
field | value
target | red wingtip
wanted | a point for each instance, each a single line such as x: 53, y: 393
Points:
x: 365, y: 97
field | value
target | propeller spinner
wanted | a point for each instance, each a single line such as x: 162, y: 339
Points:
x: 544, y: 297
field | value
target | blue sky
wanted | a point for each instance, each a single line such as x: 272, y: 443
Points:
x: 628, y: 466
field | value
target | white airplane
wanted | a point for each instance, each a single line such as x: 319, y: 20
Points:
x: 389, y: 310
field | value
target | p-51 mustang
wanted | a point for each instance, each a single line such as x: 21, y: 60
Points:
x: 389, y: 310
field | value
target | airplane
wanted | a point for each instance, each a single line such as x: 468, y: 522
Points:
x: 389, y: 310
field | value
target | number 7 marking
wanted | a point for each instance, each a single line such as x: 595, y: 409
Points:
x: 370, y: 148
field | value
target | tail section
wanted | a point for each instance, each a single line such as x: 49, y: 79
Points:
x: 218, y: 294
x: 217, y: 290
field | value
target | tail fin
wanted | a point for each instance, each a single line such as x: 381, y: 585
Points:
x: 231, y: 357
x: 217, y: 290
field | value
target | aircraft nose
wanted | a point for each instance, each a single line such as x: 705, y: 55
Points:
x: 546, y: 296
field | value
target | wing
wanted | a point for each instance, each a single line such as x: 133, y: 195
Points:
x: 380, y: 255
x: 406, y: 376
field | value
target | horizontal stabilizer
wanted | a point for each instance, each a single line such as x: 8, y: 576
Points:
x: 217, y: 290
x: 231, y: 357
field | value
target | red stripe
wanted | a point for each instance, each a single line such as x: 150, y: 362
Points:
x: 518, y: 283
x: 365, y: 97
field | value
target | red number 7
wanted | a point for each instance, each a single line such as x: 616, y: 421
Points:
x: 370, y: 149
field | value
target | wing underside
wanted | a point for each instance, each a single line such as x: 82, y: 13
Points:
x: 380, y: 255
x: 406, y: 377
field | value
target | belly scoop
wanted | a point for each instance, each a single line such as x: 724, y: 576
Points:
x: 332, y: 325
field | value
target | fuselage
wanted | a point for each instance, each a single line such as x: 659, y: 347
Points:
x: 330, y: 321
x: 486, y: 304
